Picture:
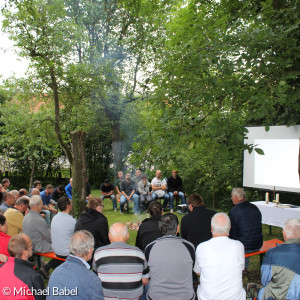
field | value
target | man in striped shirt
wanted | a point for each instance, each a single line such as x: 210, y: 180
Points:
x: 121, y: 267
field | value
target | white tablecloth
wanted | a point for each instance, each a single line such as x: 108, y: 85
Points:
x: 276, y: 216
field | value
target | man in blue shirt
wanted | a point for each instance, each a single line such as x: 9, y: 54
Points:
x: 73, y: 278
x: 47, y: 206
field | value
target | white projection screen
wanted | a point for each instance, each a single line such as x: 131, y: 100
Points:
x: 279, y: 166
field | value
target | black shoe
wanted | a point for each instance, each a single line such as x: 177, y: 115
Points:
x: 44, y: 273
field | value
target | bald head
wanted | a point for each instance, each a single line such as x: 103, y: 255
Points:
x: 158, y: 174
x: 220, y: 225
x: 35, y: 192
x: 118, y: 232
x: 291, y: 229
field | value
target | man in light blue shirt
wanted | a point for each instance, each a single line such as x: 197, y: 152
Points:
x: 62, y: 228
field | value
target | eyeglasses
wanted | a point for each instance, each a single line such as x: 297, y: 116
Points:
x: 30, y: 246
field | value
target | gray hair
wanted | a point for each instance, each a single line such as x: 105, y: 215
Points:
x: 239, y: 192
x: 81, y: 243
x: 292, y: 228
x: 35, y: 200
x: 118, y: 230
x: 220, y: 224
x: 23, y: 200
x: 168, y: 224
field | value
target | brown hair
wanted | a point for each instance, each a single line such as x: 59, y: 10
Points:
x: 94, y: 202
x: 195, y: 200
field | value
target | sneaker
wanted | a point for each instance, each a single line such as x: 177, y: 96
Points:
x: 171, y: 210
x: 121, y: 212
x: 44, y: 273
x: 115, y: 209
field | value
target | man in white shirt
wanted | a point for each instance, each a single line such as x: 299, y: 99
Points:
x: 159, y: 188
x: 220, y: 263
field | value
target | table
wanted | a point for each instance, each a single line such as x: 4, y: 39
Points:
x: 276, y: 216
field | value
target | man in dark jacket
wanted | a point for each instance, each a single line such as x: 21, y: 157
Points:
x: 196, y: 226
x: 175, y: 188
x: 246, y: 224
x: 17, y: 276
x: 95, y: 222
x: 149, y: 230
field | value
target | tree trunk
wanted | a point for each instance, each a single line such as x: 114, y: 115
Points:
x: 117, y: 145
x: 79, y: 172
x: 31, y: 174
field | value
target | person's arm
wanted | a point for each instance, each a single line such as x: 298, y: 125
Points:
x: 118, y: 190
x: 233, y: 234
x: 266, y: 269
x: 45, y: 232
x: 183, y: 230
x: 140, y: 187
x: 112, y: 191
x: 132, y: 192
x: 197, y: 268
x: 179, y: 188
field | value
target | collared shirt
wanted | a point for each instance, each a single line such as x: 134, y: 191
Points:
x: 4, y: 207
x: 81, y: 259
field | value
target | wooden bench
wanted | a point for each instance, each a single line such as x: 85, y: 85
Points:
x: 265, y: 247
x: 49, y: 255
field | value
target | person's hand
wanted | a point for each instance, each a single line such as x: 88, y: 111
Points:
x: 27, y: 211
x: 53, y: 210
x: 3, y: 258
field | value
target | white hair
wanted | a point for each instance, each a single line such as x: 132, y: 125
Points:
x: 292, y: 228
x: 220, y: 224
x: 239, y: 192
x: 81, y: 243
x: 35, y: 200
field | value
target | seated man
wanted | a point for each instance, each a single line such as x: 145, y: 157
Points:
x: 8, y: 201
x: 196, y: 226
x: 107, y: 190
x: 15, y: 216
x: 120, y: 266
x: 144, y: 191
x: 68, y: 189
x: 175, y: 188
x: 47, y: 205
x: 74, y: 274
x: 36, y: 185
x: 170, y: 261
x: 58, y: 193
x: 220, y: 263
x: 136, y: 179
x: 246, y: 225
x: 62, y: 228
x: 94, y: 221
x: 127, y: 189
x: 23, y: 192
x: 159, y: 187
x: 18, y: 274
x: 280, y: 271
x: 5, y: 184
x: 149, y: 230
x: 36, y: 228
x: 117, y: 185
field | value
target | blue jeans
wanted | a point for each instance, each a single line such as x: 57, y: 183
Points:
x: 166, y: 199
x: 113, y: 198
x: 180, y: 195
x: 136, y: 200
